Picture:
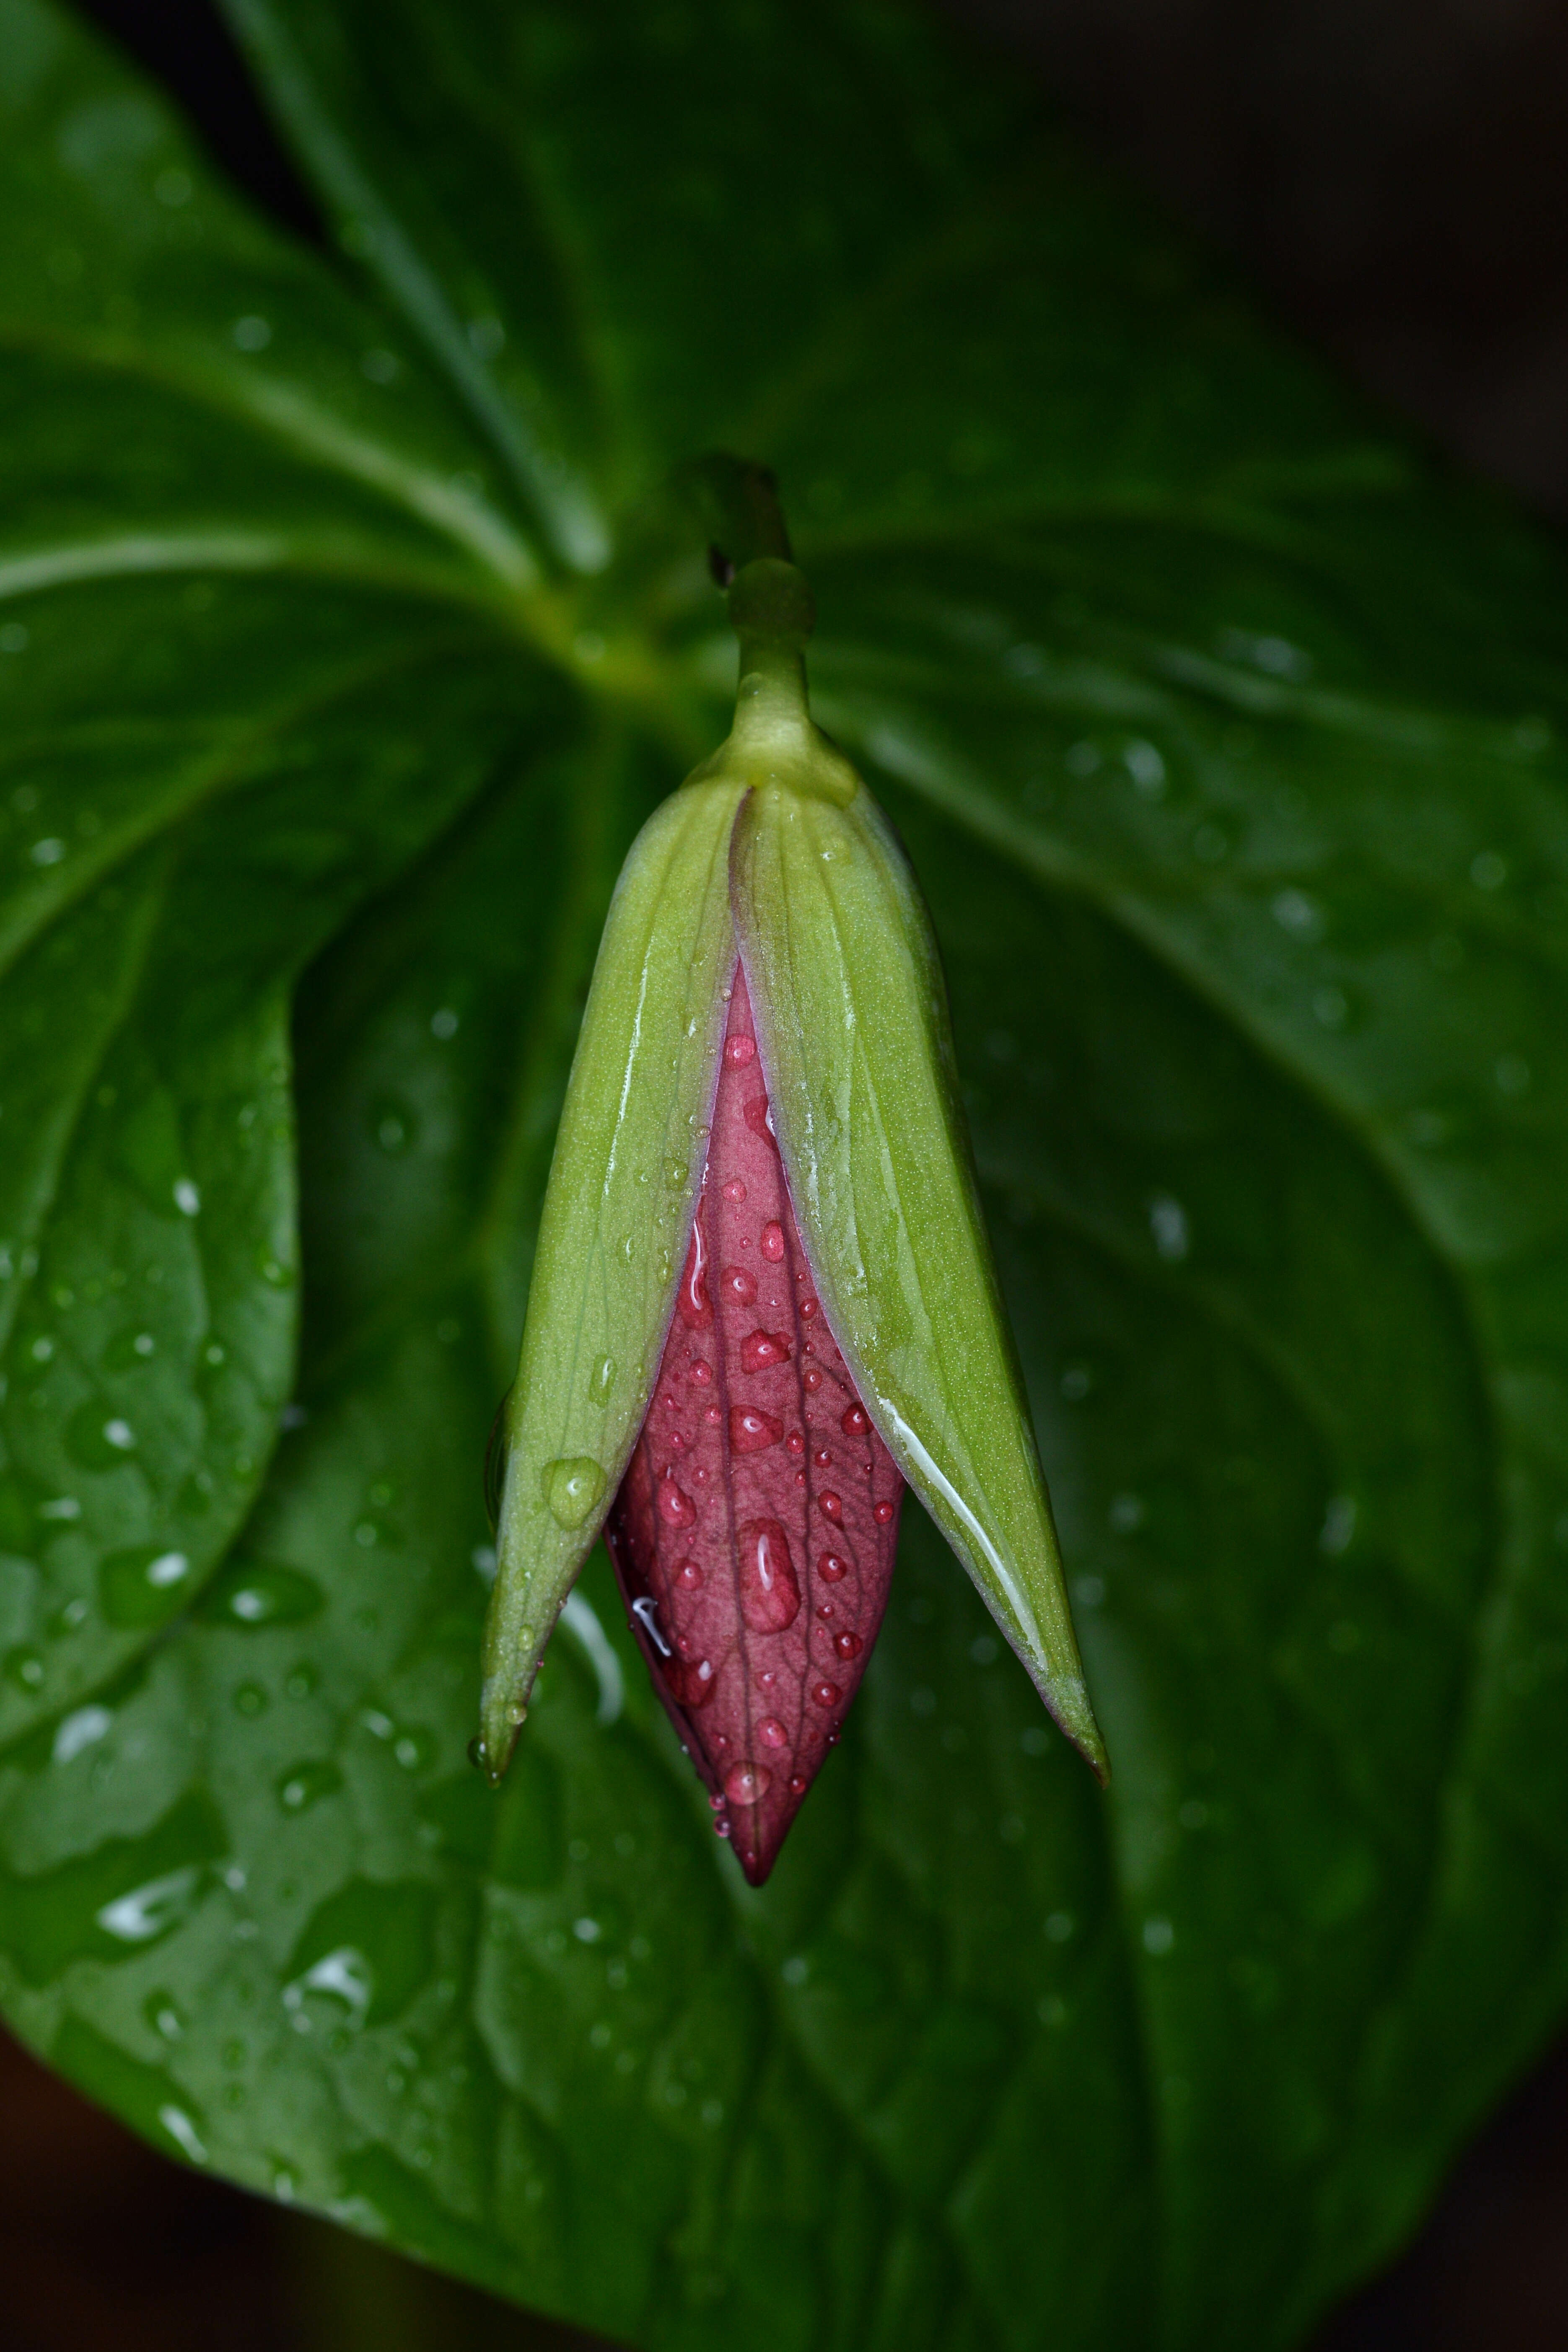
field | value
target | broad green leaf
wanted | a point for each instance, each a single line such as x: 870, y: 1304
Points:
x: 1226, y: 744
x: 219, y: 657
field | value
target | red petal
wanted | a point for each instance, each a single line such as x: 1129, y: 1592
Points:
x: 756, y: 1572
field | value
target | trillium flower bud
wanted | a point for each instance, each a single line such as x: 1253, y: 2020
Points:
x: 763, y: 1299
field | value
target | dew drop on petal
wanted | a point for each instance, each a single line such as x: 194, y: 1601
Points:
x: 735, y: 1189
x: 811, y: 1378
x: 737, y: 1287
x: 689, y: 1576
x: 770, y: 1596
x: 773, y: 1242
x: 739, y: 1050
x: 825, y: 1693
x: 848, y: 1646
x: 693, y: 1685
x: 831, y: 1568
x: 856, y: 1420
x: 700, y: 1375
x: 830, y: 1506
x: 751, y: 1431
x: 762, y: 1350
x: 676, y: 1507
x: 772, y: 1733
x: 747, y: 1784
x: 884, y: 1512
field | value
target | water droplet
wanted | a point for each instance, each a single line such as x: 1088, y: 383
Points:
x: 141, y: 1586
x: 250, y: 1699
x: 304, y: 1785
x: 772, y: 1733
x: 734, y: 1190
x: 700, y: 1375
x: 676, y: 1507
x: 573, y: 1487
x: 798, y: 1784
x: 96, y: 1440
x: 751, y: 1431
x: 150, y: 1911
x: 759, y: 1118
x: 187, y: 1198
x: 833, y: 1567
x: 257, y: 1594
x: 740, y: 1050
x: 770, y: 1595
x: 1168, y: 1224
x: 761, y: 1350
x: 1339, y: 1525
x: 737, y: 1287
x: 884, y: 1513
x: 689, y: 1576
x: 747, y: 1784
x: 692, y: 1298
x: 713, y: 1414
x: 692, y: 1685
x: 182, y: 2131
x: 811, y: 1379
x: 831, y: 1507
x: 83, y: 1728
x: 822, y: 1458
x: 25, y: 1668
x: 808, y: 1309
x: 773, y: 1241
x: 599, y: 1380
x: 848, y: 1646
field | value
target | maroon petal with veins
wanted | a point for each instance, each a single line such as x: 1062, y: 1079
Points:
x: 754, y: 1531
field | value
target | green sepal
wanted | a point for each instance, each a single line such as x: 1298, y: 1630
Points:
x: 852, y: 1020
x: 616, y: 1217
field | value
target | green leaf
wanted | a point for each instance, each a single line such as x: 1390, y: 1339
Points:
x: 342, y: 661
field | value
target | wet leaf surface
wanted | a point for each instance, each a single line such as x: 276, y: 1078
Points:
x: 344, y: 642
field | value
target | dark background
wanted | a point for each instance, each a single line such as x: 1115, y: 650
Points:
x: 1392, y: 175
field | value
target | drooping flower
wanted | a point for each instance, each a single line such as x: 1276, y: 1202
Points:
x: 764, y: 1298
